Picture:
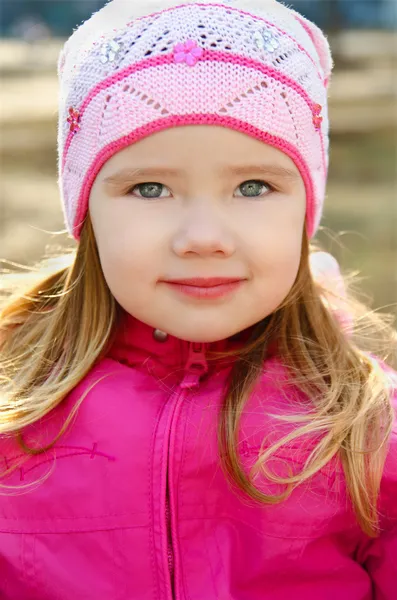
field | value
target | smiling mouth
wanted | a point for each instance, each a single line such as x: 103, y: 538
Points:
x: 206, y: 288
x: 205, y: 281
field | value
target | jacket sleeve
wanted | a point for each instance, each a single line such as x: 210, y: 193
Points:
x: 380, y: 556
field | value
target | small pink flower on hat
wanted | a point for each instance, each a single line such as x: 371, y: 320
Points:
x: 317, y: 120
x: 74, y: 120
x: 188, y: 52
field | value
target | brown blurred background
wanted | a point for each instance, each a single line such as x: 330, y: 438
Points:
x: 360, y: 220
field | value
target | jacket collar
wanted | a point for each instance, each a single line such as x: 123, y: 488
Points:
x: 137, y: 344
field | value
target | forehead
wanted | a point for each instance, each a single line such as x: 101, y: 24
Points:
x: 218, y: 149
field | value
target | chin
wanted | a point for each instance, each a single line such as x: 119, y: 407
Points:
x: 202, y: 335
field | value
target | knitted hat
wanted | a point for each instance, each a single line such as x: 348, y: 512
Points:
x: 138, y: 67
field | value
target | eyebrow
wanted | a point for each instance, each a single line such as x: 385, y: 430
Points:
x: 129, y: 174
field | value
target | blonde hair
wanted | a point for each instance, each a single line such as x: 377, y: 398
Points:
x: 53, y: 334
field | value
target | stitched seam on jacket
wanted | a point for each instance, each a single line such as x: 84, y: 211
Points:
x: 150, y: 500
x: 286, y: 534
x: 181, y: 470
x: 188, y: 597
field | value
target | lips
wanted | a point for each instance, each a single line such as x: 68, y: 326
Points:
x: 205, y: 288
x: 205, y: 282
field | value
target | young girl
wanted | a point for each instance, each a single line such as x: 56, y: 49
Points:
x: 187, y: 408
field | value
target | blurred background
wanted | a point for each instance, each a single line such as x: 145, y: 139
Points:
x: 360, y: 221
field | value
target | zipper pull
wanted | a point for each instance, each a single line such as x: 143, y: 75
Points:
x: 196, y: 365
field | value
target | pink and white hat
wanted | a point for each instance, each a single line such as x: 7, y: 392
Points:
x: 140, y: 66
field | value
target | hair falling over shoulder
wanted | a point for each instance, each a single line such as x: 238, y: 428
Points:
x: 53, y: 333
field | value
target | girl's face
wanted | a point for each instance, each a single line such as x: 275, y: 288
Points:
x: 207, y: 202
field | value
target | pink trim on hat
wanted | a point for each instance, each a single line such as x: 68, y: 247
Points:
x: 305, y: 27
x: 193, y: 119
x: 210, y: 56
x: 240, y: 11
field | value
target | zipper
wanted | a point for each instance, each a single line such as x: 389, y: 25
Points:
x: 196, y: 366
x: 170, y: 552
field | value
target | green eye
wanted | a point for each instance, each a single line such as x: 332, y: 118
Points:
x: 150, y: 189
x: 253, y: 188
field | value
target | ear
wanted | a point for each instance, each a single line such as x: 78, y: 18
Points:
x: 320, y: 43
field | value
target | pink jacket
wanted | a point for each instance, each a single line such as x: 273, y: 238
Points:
x: 134, y: 504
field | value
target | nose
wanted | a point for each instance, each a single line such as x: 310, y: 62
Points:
x: 203, y: 232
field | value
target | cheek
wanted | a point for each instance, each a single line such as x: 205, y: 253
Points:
x: 275, y: 263
x: 277, y: 278
x: 127, y: 256
x: 277, y: 248
x: 128, y: 273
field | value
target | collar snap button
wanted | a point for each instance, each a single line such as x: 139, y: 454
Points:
x: 160, y: 336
